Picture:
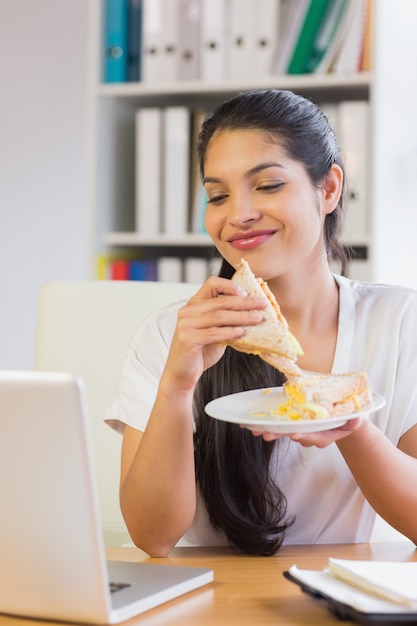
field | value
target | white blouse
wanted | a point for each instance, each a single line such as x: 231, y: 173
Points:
x: 377, y: 334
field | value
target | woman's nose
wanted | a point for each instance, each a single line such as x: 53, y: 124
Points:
x: 242, y: 209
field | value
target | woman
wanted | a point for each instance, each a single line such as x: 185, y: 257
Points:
x: 274, y: 179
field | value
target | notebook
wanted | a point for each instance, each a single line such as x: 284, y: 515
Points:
x: 53, y: 563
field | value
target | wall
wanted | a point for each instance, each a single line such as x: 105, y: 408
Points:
x: 44, y: 225
x: 395, y: 128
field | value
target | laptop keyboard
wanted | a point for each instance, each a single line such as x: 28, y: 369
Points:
x: 118, y: 586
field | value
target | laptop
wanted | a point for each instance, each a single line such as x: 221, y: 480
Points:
x: 53, y: 564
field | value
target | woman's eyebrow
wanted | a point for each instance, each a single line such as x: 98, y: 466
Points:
x: 248, y: 174
x: 261, y: 167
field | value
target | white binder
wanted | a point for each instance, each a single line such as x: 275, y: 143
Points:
x: 214, y: 21
x: 189, y: 39
x: 176, y: 169
x: 169, y: 269
x: 152, y: 41
x: 148, y: 177
x: 353, y: 128
x: 266, y: 30
x: 170, y: 48
x: 241, y: 48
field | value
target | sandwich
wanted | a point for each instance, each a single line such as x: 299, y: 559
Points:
x: 313, y: 395
x: 307, y: 395
x: 271, y: 339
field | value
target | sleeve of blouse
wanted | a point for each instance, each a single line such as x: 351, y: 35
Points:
x: 145, y: 359
x: 406, y: 381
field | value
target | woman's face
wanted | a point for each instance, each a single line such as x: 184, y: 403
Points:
x: 261, y: 204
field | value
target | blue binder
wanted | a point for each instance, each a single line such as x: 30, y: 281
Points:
x: 116, y: 40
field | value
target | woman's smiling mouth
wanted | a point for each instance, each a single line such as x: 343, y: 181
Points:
x: 250, y: 239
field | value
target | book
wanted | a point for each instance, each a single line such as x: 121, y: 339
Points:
x: 343, y: 53
x: 148, y: 170
x: 348, y: 59
x: 116, y: 40
x: 304, y: 46
x: 176, y: 169
x: 365, y: 64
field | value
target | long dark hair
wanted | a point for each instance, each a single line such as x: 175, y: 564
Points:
x: 233, y: 468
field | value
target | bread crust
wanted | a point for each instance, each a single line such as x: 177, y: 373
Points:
x: 271, y: 339
x: 340, y: 394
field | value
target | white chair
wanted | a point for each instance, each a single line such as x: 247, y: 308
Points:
x: 84, y: 328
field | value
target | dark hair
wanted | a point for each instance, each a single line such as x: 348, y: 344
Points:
x: 301, y: 128
x: 232, y: 466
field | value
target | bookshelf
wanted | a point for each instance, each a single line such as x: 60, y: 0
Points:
x: 112, y: 141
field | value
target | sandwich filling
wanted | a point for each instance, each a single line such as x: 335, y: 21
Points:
x: 308, y: 395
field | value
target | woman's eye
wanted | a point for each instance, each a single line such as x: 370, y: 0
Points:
x: 270, y: 187
x: 216, y: 199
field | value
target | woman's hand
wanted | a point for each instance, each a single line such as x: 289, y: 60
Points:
x: 217, y: 313
x: 320, y: 439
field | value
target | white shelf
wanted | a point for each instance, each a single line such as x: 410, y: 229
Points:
x: 334, y: 83
x: 135, y: 239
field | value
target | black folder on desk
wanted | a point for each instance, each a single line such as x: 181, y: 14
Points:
x: 352, y: 601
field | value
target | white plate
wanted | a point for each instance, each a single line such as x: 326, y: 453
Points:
x: 239, y: 408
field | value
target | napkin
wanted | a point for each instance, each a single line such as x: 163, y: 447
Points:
x: 393, y: 581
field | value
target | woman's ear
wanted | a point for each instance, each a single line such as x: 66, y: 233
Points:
x: 332, y: 189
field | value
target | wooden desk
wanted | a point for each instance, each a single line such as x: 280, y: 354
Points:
x: 249, y: 590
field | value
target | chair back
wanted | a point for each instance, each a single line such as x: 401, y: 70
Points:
x: 84, y: 328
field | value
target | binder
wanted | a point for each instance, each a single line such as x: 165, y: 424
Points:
x: 353, y: 125
x: 195, y: 270
x: 170, y: 45
x: 241, y: 48
x: 116, y: 40
x: 330, y: 110
x: 176, y: 169
x: 265, y: 29
x: 327, y: 33
x: 142, y: 270
x: 152, y: 41
x: 148, y: 166
x: 304, y: 46
x: 169, y: 269
x: 189, y: 39
x: 292, y: 13
x: 134, y: 40
x: 213, y: 39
